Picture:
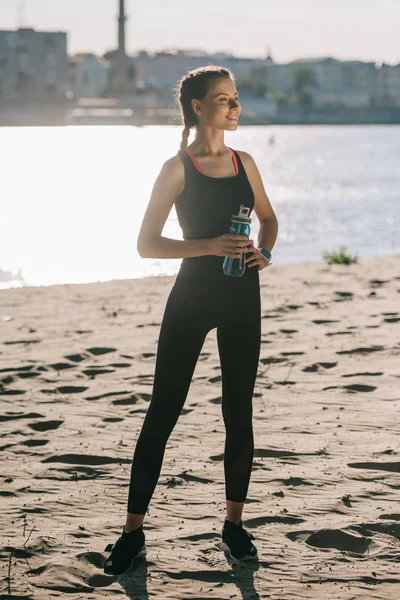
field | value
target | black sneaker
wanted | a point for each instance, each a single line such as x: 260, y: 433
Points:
x: 236, y: 542
x: 125, y: 551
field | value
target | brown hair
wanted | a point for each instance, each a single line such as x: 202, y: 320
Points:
x: 194, y: 85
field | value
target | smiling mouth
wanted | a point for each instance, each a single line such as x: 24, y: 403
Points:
x: 233, y: 118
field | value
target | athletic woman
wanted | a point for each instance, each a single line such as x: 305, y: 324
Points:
x: 208, y: 182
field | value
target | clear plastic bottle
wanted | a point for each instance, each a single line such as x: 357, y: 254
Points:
x: 240, y: 224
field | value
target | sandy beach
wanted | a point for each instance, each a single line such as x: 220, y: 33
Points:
x: 76, y: 368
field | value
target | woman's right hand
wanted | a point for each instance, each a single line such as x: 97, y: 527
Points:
x: 229, y: 244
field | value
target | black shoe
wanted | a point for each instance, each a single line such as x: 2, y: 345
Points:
x: 124, y: 552
x: 236, y: 542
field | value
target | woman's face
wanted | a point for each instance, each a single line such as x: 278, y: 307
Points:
x: 220, y: 108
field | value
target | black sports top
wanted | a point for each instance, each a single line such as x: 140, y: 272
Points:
x: 206, y: 205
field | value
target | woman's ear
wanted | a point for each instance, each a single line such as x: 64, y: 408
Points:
x: 196, y: 107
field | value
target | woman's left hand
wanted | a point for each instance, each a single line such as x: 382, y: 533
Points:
x: 254, y: 257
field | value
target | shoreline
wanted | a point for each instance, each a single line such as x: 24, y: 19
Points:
x: 275, y: 266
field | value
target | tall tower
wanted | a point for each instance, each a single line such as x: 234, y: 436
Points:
x: 121, y: 29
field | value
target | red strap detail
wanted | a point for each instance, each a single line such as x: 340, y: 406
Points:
x: 196, y: 164
x: 192, y: 156
x: 235, y: 162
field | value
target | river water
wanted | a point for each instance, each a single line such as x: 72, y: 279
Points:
x: 72, y: 198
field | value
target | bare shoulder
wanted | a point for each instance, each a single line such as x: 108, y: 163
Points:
x: 173, y: 167
x: 171, y: 179
x: 246, y: 158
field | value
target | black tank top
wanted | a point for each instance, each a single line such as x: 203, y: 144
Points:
x: 205, y: 208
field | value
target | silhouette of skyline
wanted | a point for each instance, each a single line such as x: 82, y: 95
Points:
x: 347, y: 29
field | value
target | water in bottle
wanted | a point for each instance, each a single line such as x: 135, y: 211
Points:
x: 240, y: 224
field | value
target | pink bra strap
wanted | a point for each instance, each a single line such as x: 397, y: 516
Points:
x: 235, y: 162
x: 196, y: 164
x: 192, y: 156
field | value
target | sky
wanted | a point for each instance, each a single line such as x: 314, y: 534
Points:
x: 344, y: 29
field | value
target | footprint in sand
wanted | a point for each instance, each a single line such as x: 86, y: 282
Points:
x: 34, y: 442
x: 272, y: 360
x: 45, y: 425
x: 11, y: 416
x: 316, y: 366
x: 146, y: 356
x: 100, y: 351
x: 71, y: 389
x: 23, y: 342
x: 133, y: 399
x: 352, y: 389
x: 85, y: 459
x: 217, y: 400
x: 393, y: 467
x: 339, y: 333
x: 12, y: 392
x: 362, y: 350
x: 126, y: 401
x: 323, y: 321
x: 76, y: 357
x: 365, y: 374
x: 392, y: 529
x: 106, y: 395
x: 93, y: 371
x: 332, y: 538
x: 61, y: 366
x: 377, y: 282
x: 344, y: 296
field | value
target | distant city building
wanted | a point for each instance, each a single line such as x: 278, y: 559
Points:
x: 164, y: 69
x: 388, y: 86
x: 88, y: 76
x: 33, y: 64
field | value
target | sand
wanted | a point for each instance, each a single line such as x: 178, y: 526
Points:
x: 77, y: 364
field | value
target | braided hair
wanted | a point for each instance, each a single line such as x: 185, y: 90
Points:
x: 194, y: 86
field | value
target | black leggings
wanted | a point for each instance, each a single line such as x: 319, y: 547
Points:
x: 194, y: 307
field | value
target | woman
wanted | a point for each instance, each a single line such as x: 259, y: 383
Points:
x: 207, y: 182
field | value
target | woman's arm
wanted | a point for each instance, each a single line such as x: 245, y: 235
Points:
x: 150, y: 243
x: 262, y: 207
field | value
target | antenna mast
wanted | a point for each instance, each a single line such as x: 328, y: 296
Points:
x: 21, y: 13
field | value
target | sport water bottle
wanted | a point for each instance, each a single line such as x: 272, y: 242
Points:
x: 240, y: 224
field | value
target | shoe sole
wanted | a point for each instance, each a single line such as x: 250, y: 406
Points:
x: 225, y: 548
x: 141, y: 553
